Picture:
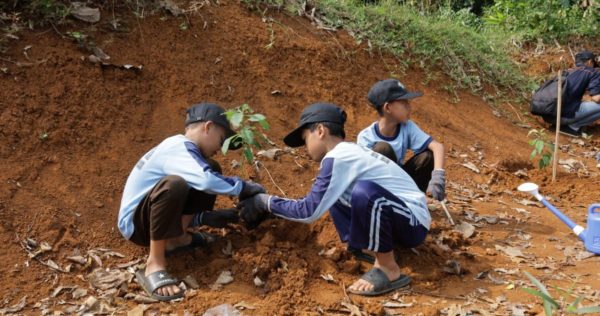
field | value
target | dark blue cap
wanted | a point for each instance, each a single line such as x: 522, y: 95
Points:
x: 315, y: 113
x: 203, y: 112
x: 584, y: 56
x: 389, y: 90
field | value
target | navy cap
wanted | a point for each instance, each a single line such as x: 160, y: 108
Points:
x: 389, y: 90
x: 315, y: 113
x: 584, y: 56
x: 203, y: 112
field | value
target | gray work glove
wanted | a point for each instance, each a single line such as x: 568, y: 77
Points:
x: 251, y: 188
x: 254, y: 209
x: 216, y: 218
x: 437, y: 184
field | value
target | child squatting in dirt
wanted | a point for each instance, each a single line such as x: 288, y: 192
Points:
x: 394, y: 134
x: 173, y: 187
x: 374, y: 204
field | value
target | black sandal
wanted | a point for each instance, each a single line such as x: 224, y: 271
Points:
x: 381, y: 283
x: 156, y: 280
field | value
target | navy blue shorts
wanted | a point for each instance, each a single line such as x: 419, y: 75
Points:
x: 377, y: 220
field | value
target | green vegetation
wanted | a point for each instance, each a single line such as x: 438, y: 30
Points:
x: 545, y: 19
x: 550, y: 304
x: 248, y: 124
x: 471, y: 57
x: 542, y: 148
x: 474, y: 42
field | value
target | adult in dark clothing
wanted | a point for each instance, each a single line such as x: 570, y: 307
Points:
x: 577, y: 113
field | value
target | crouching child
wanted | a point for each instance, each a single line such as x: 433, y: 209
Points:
x: 374, y: 204
x: 173, y: 187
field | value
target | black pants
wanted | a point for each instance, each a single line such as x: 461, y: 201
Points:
x: 419, y: 167
x: 158, y: 215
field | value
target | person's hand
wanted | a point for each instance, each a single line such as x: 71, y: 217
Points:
x: 254, y: 209
x: 251, y: 188
x: 437, y: 184
x: 219, y: 218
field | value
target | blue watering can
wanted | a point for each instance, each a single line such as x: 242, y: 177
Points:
x: 590, y: 236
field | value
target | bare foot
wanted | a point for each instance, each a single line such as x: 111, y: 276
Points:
x: 167, y: 290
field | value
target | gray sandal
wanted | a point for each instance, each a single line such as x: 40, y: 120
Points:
x: 156, y: 280
x: 381, y: 283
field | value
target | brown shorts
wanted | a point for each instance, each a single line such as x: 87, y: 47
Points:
x: 158, y: 216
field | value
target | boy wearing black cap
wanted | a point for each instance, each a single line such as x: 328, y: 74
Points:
x: 173, y: 187
x: 394, y: 133
x: 374, y: 204
x: 576, y: 114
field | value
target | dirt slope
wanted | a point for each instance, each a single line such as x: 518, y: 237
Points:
x: 65, y: 188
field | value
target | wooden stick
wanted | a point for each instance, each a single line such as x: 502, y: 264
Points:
x: 558, y: 114
x: 447, y: 212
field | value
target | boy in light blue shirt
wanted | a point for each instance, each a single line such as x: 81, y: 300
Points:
x: 174, y: 186
x: 374, y: 204
x: 394, y: 134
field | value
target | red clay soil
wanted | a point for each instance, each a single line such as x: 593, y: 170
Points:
x: 70, y: 132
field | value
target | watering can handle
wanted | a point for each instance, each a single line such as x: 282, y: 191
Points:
x: 593, y: 207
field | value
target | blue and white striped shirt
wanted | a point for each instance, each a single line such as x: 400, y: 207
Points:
x: 179, y: 156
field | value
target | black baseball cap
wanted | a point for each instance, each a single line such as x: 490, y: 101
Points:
x: 389, y: 90
x: 203, y: 112
x: 315, y: 113
x: 584, y: 56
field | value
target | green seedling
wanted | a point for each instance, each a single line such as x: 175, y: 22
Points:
x: 542, y: 148
x: 248, y: 125
x: 551, y: 304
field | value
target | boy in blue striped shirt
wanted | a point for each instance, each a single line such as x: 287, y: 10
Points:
x: 374, y: 204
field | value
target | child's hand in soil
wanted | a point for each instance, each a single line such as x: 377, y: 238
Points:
x: 250, y: 189
x: 254, y: 210
x: 220, y: 218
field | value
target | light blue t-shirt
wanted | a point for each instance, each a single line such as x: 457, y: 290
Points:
x: 408, y: 136
x: 341, y: 168
x: 178, y: 156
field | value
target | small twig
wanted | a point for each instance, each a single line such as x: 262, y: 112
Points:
x: 346, y: 297
x: 571, y: 52
x: 298, y: 164
x: 449, y: 297
x: 56, y: 30
x: 443, y: 203
x: 517, y: 113
x: 270, y: 177
x: 8, y: 60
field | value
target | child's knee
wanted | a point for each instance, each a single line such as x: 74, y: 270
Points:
x: 176, y: 186
x: 386, y: 150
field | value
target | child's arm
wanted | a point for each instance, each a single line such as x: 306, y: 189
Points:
x: 330, y: 184
x: 438, y: 154
x: 437, y: 184
x: 191, y: 166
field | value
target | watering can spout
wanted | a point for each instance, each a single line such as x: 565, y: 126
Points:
x: 590, y: 236
x: 533, y: 189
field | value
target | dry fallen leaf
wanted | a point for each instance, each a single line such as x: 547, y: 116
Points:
x: 466, y: 229
x: 511, y: 251
x: 471, y: 166
x: 353, y: 309
x: 15, y: 308
x: 104, y: 280
x: 327, y: 277
x: 243, y: 305
x: 224, y: 278
x: 191, y: 282
x: 258, y: 282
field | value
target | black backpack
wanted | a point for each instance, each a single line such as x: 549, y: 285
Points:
x: 545, y: 98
